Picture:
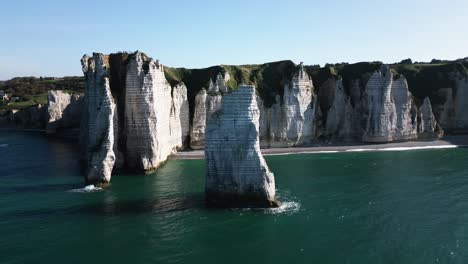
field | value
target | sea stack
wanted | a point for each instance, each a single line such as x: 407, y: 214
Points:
x: 237, y: 174
x: 133, y: 119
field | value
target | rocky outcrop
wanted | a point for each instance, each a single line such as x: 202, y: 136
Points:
x: 220, y: 84
x: 341, y: 120
x: 428, y: 128
x: 291, y: 120
x: 149, y: 114
x: 64, y: 112
x: 378, y: 111
x: 453, y: 114
x: 180, y: 115
x: 134, y: 118
x: 100, y: 116
x: 32, y: 117
x: 237, y: 174
x: 206, y: 103
x: 392, y: 112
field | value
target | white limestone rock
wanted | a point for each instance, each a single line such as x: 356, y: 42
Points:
x: 100, y: 111
x: 237, y: 174
x: 391, y: 110
x: 180, y: 119
x: 291, y: 119
x: 341, y: 122
x: 454, y: 114
x: 220, y: 84
x: 428, y: 128
x: 64, y: 111
x: 148, y: 103
x: 205, y: 105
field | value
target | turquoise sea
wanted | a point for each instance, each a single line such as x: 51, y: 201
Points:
x: 367, y: 207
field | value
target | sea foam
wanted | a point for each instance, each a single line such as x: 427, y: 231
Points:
x: 87, y: 189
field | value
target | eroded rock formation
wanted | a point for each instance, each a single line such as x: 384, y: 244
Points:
x: 206, y: 103
x: 453, y: 113
x: 291, y: 121
x: 63, y: 111
x: 134, y: 118
x: 379, y: 111
x: 237, y: 174
x: 392, y: 112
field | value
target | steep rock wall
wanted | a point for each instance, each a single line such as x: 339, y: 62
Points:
x: 206, y: 103
x: 453, y: 115
x: 154, y: 119
x: 64, y: 111
x: 291, y: 120
x: 100, y: 110
x: 237, y: 174
x: 392, y: 112
x: 428, y: 128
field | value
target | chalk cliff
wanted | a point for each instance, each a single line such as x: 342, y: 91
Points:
x: 292, y: 119
x: 237, y: 174
x: 100, y: 114
x: 428, y: 128
x: 453, y: 113
x: 206, y: 103
x: 392, y: 112
x: 134, y: 118
x: 377, y: 109
x: 63, y: 112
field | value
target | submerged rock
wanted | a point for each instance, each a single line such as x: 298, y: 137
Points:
x: 237, y: 174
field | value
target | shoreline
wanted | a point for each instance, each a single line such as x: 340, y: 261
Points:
x: 453, y: 141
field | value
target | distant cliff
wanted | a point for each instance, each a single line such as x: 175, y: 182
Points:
x: 61, y: 116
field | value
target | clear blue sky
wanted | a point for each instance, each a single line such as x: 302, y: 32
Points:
x: 47, y: 38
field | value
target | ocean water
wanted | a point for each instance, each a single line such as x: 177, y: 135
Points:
x: 366, y: 207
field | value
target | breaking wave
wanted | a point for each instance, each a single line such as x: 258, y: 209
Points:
x: 87, y: 189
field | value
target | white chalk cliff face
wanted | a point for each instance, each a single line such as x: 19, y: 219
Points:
x: 100, y: 107
x: 454, y: 114
x: 291, y: 121
x: 64, y: 110
x: 220, y: 84
x: 384, y: 111
x: 341, y: 121
x: 428, y: 128
x: 392, y: 112
x: 154, y: 122
x: 153, y: 127
x: 179, y: 122
x: 206, y: 103
x: 237, y: 174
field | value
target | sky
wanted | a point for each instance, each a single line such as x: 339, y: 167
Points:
x: 48, y: 38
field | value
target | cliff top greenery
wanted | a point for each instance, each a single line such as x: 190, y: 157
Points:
x: 32, y: 90
x: 424, y: 79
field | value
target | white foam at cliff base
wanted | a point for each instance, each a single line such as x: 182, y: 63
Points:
x: 87, y: 189
x: 285, y: 207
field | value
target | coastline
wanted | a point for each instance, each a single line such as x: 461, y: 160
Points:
x: 452, y: 141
